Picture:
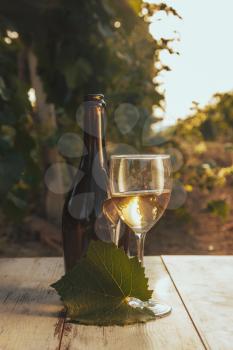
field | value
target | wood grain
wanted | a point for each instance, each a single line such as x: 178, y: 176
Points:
x: 205, y: 284
x: 175, y: 332
x: 30, y: 312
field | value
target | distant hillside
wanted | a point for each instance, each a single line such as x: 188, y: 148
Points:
x: 213, y: 122
x: 201, y: 147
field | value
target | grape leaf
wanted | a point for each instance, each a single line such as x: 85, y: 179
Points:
x: 97, y: 290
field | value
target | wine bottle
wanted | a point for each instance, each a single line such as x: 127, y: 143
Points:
x: 84, y: 203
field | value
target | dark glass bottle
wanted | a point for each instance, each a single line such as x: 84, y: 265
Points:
x: 84, y: 203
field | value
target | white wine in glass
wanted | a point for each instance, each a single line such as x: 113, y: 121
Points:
x: 140, y: 188
x: 141, y: 210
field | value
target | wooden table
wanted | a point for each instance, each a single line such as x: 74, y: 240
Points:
x: 199, y: 288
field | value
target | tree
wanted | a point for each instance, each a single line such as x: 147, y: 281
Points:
x: 65, y: 49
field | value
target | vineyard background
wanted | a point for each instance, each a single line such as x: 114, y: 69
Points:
x: 51, y: 54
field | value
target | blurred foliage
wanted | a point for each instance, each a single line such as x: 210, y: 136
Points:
x: 183, y: 216
x: 205, y: 141
x: 219, y: 208
x: 100, y: 46
x: 81, y: 47
x: 215, y: 121
x: 19, y: 170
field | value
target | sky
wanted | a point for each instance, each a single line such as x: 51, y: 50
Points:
x: 205, y: 64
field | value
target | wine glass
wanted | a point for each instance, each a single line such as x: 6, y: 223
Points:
x: 140, y: 187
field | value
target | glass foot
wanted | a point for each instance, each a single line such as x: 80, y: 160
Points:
x: 134, y: 302
x: 159, y: 309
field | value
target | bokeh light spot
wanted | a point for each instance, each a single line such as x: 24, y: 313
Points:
x: 71, y: 145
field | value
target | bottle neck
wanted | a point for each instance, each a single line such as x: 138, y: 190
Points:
x: 94, y: 134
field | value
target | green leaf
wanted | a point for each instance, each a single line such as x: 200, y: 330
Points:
x: 77, y: 73
x: 5, y: 145
x: 97, y: 290
x: 7, y: 119
x: 219, y: 208
x: 3, y: 90
x: 11, y: 168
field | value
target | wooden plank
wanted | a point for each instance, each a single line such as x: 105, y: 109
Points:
x: 175, y: 332
x: 205, y: 284
x: 30, y: 312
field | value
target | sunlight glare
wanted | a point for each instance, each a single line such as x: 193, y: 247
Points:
x: 117, y: 24
x: 32, y: 97
x: 204, y: 66
x: 12, y: 34
x: 7, y: 40
x: 132, y: 212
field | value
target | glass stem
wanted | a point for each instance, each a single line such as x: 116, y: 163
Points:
x: 140, y: 238
x: 117, y: 233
